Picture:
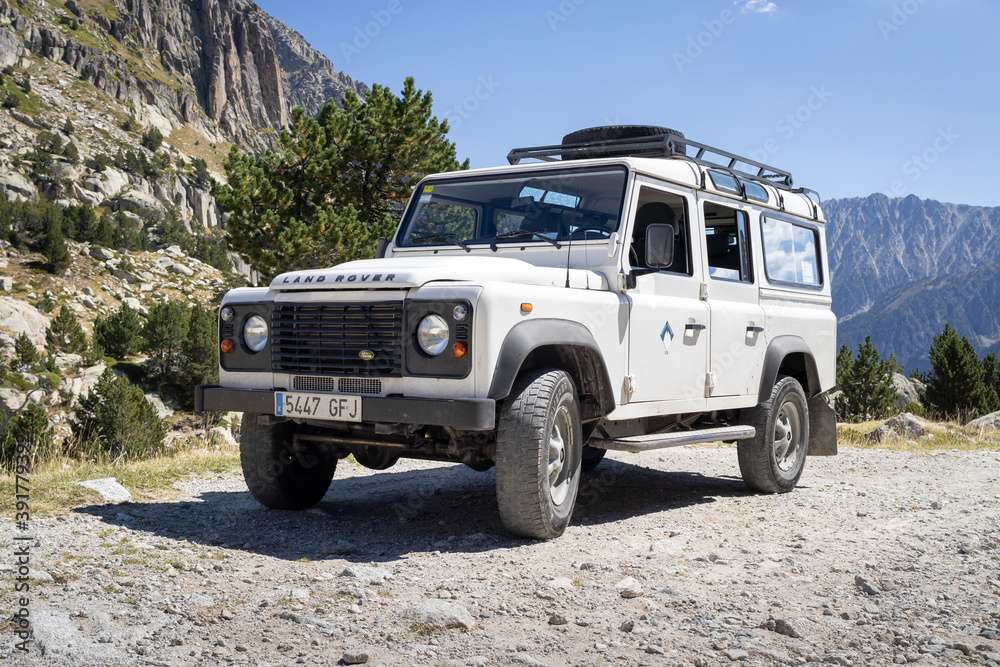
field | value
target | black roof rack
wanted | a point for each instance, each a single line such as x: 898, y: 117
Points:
x: 669, y: 145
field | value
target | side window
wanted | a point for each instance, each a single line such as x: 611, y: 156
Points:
x: 791, y: 253
x: 727, y: 238
x: 656, y: 207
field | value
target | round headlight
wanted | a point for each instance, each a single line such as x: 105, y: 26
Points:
x: 433, y: 335
x: 255, y: 333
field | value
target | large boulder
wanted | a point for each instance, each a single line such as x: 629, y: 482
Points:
x: 907, y: 392
x: 905, y: 426
x: 990, y: 421
x: 10, y: 48
x: 138, y: 202
x: 18, y: 317
x: 108, y: 183
x: 16, y: 187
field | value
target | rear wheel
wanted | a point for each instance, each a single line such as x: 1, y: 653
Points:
x: 278, y: 476
x: 773, y: 460
x: 538, y: 455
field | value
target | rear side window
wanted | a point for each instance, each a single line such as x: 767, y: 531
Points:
x: 791, y: 253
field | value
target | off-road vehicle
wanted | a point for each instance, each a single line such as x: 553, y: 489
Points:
x: 628, y: 289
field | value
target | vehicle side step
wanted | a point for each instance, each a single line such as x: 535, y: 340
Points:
x: 645, y: 443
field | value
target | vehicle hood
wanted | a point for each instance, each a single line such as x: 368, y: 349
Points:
x: 407, y: 272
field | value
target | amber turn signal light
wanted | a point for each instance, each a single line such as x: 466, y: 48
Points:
x: 227, y: 345
x: 526, y: 308
x: 459, y: 350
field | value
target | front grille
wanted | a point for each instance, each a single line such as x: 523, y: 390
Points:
x: 359, y: 386
x: 367, y: 386
x: 331, y: 339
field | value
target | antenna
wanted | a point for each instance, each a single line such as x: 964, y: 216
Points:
x: 569, y: 249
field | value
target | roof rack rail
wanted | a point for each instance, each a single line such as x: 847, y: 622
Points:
x: 669, y: 145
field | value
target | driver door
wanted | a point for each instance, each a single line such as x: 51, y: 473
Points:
x: 668, y: 327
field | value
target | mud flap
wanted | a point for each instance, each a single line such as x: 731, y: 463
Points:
x: 822, y: 427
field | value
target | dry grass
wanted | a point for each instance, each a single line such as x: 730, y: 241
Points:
x: 54, y: 488
x: 942, y: 436
x: 190, y: 141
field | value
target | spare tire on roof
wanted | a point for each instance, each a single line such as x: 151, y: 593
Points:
x: 609, y: 132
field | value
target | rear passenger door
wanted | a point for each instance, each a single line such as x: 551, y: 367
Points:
x: 737, y: 338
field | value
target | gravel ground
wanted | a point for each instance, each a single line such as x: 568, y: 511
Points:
x: 878, y: 557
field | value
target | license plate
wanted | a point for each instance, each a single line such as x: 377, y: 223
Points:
x: 331, y: 407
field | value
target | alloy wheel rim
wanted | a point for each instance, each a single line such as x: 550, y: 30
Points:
x: 559, y: 469
x: 787, y: 437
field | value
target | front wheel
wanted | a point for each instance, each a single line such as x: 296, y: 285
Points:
x: 773, y: 461
x: 277, y: 475
x: 538, y: 455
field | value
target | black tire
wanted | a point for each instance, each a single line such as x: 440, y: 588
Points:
x: 376, y: 458
x: 610, y: 132
x: 760, y: 465
x: 592, y: 457
x: 276, y: 476
x: 530, y: 505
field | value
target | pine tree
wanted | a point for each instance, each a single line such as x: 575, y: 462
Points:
x: 120, y: 333
x: 868, y: 391
x: 201, y: 352
x: 164, y: 336
x: 845, y: 359
x: 152, y: 139
x: 56, y: 252
x: 65, y: 334
x: 116, y: 422
x: 27, y: 437
x: 956, y: 388
x: 991, y: 376
x: 25, y: 353
x: 333, y: 184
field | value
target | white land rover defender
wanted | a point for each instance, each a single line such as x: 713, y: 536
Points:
x: 629, y: 290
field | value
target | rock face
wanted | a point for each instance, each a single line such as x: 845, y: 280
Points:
x: 18, y: 317
x: 206, y: 74
x: 221, y: 64
x: 903, y: 267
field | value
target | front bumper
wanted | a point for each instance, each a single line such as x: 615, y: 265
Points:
x: 463, y: 415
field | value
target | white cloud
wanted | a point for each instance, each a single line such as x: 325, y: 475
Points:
x: 759, y: 7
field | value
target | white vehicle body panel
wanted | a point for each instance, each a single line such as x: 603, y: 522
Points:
x: 718, y: 367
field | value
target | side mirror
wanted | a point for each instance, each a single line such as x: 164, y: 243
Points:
x: 383, y: 245
x: 660, y: 246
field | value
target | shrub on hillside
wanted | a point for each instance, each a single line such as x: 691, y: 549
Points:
x: 65, y: 334
x: 115, y: 422
x: 201, y: 354
x: 26, y: 440
x: 152, y: 139
x: 991, y: 376
x: 25, y: 353
x: 120, y: 333
x: 57, y: 254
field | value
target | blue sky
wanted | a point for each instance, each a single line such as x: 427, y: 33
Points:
x: 853, y: 96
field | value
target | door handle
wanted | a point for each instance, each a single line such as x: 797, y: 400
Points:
x: 753, y: 328
x: 695, y: 327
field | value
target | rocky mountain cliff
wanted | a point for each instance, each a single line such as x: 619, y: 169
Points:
x: 205, y: 73
x: 902, y: 268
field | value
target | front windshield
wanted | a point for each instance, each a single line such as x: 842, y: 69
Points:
x: 517, y: 208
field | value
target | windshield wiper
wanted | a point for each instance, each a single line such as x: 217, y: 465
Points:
x: 522, y: 234
x: 442, y: 238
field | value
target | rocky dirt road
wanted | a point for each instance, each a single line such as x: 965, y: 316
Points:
x: 879, y: 557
